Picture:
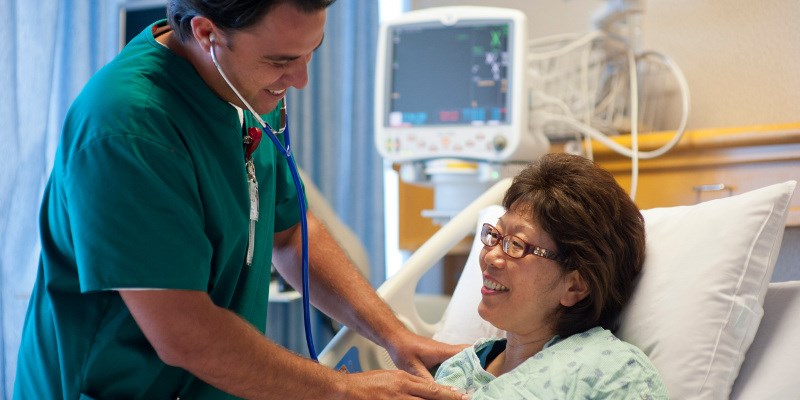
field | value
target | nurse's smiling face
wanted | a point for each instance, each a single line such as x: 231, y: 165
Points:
x: 522, y: 295
x: 263, y: 60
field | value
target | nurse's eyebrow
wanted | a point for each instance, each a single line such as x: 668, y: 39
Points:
x: 285, y: 58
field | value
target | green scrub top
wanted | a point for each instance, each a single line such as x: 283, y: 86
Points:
x: 148, y: 190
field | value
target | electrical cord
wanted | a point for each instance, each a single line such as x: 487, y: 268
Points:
x: 625, y: 151
x: 634, y: 82
x: 543, y: 116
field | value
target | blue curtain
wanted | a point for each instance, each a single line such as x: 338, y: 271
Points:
x: 49, y: 51
x: 333, y: 122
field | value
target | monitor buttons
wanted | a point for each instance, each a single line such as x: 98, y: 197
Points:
x: 499, y: 143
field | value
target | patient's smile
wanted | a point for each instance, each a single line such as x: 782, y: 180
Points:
x: 493, y: 286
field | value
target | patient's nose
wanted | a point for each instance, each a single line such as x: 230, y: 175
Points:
x: 495, y: 257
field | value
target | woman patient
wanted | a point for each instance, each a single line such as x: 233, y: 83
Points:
x: 558, y: 267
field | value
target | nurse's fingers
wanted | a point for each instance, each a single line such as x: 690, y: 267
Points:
x: 435, y: 391
x: 428, y: 389
x: 393, y: 385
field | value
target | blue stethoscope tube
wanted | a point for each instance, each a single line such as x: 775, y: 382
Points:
x: 286, y: 152
x: 301, y: 201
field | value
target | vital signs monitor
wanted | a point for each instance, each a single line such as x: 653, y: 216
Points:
x: 451, y: 83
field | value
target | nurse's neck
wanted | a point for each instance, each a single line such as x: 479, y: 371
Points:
x: 169, y: 40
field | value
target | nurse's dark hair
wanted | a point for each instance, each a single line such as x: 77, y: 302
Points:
x: 597, y: 229
x: 229, y: 14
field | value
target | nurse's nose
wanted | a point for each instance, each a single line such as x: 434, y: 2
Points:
x: 297, y: 75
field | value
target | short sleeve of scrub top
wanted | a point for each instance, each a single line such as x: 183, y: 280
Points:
x: 155, y: 209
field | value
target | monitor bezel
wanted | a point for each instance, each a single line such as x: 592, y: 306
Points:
x: 517, y: 101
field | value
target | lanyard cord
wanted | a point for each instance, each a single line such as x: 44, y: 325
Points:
x: 301, y: 198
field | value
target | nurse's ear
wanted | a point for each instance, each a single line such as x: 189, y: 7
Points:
x: 575, y: 289
x: 203, y: 32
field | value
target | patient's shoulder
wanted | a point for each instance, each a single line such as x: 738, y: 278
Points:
x: 596, y: 344
x: 592, y: 340
x: 600, y: 360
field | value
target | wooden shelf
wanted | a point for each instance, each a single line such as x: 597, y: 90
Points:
x: 742, y: 158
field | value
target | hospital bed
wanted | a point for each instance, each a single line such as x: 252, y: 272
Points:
x: 704, y: 310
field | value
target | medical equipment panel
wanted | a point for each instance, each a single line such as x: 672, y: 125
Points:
x: 451, y: 83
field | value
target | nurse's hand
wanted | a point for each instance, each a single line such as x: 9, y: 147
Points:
x: 417, y: 354
x: 396, y: 385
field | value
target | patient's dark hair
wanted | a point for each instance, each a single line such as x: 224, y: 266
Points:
x: 229, y: 14
x: 597, y: 228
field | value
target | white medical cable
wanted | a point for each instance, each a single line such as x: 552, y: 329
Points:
x: 634, y: 82
x: 552, y: 100
x: 574, y: 44
x: 585, y: 126
x: 587, y: 113
x: 602, y: 138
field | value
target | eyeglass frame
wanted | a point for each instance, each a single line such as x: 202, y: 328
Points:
x: 504, y: 241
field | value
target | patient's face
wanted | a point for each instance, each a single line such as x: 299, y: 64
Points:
x: 520, y: 295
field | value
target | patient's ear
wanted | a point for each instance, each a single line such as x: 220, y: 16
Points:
x: 575, y: 289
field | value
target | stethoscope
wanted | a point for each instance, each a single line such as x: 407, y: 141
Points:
x: 253, y: 191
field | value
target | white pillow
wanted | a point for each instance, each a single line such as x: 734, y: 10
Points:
x: 699, y: 299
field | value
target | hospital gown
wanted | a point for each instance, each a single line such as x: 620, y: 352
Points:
x: 590, y: 365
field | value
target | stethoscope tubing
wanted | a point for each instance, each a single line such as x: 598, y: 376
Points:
x: 286, y: 152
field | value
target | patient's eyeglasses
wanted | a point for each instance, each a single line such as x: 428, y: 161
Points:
x: 512, y: 245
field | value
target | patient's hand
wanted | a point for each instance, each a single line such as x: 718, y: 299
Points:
x: 416, y: 354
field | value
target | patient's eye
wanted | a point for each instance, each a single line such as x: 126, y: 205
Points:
x: 517, y: 246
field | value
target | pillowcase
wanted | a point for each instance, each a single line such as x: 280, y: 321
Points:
x: 699, y: 299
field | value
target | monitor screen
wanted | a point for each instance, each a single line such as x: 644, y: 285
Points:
x: 451, y: 83
x: 135, y: 16
x: 449, y: 75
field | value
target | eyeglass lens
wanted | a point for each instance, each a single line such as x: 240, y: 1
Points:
x: 511, y: 245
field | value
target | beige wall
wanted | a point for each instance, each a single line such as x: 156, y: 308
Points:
x: 741, y: 58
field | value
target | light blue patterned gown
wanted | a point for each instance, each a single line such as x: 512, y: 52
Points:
x: 591, y: 365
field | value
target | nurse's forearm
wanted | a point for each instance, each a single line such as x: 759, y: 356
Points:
x: 189, y: 331
x: 337, y: 287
